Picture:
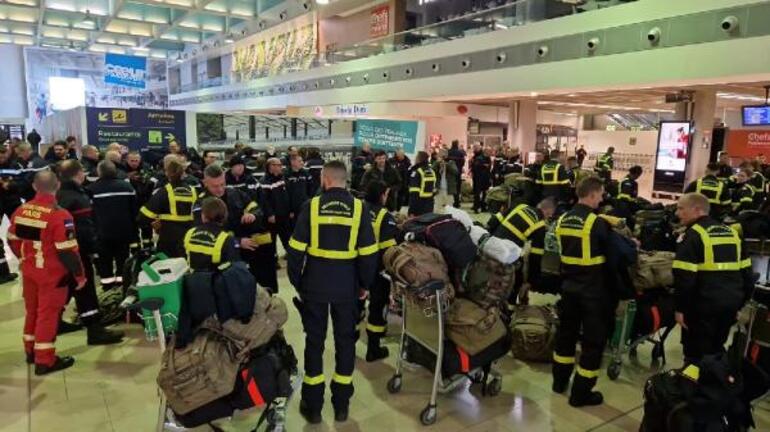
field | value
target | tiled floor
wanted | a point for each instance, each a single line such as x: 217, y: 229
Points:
x: 111, y: 389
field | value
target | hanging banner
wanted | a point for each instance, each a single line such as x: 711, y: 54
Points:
x: 387, y: 135
x: 124, y: 70
x: 748, y: 143
x: 138, y: 129
x: 379, y: 22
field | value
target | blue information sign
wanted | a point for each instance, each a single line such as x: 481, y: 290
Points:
x: 756, y: 115
x: 124, y: 70
x: 388, y: 135
x: 138, y: 129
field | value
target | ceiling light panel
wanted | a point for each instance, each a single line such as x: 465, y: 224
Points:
x: 32, y: 3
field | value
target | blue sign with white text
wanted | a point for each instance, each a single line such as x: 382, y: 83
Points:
x: 387, y: 135
x: 124, y: 70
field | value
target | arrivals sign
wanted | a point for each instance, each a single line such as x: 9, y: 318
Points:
x: 124, y: 70
x: 387, y: 135
x: 138, y: 129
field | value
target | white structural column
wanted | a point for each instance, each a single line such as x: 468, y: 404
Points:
x: 703, y: 115
x: 522, y: 126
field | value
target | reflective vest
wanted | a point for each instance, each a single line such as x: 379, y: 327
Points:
x: 570, y: 229
x: 549, y: 175
x: 622, y: 195
x: 180, y: 204
x: 717, y: 259
x: 202, y: 242
x: 711, y: 189
x: 759, y: 186
x: 317, y: 220
x: 745, y: 198
x: 604, y: 162
x: 377, y: 225
x: 427, y: 183
x: 522, y: 221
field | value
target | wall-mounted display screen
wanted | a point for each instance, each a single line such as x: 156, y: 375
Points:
x: 757, y: 115
x: 674, y: 139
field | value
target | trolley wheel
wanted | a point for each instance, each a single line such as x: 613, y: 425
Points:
x: 428, y: 415
x: 613, y: 371
x: 394, y: 384
x: 494, y: 386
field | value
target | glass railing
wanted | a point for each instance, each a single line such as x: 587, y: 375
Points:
x: 512, y: 14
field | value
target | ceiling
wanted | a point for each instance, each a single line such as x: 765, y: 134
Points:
x: 649, y: 100
x: 150, y: 28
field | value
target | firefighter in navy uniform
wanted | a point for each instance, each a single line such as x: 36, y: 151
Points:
x: 238, y: 178
x: 605, y: 163
x: 42, y: 236
x: 626, y: 203
x: 554, y: 179
x: 744, y: 194
x: 74, y: 198
x: 422, y: 186
x: 522, y: 224
x: 385, y: 232
x: 583, y: 238
x: 713, y: 189
x: 245, y: 222
x: 314, y: 164
x: 169, y: 209
x: 333, y: 237
x: 299, y: 184
x: 208, y: 245
x: 9, y: 202
x: 712, y: 279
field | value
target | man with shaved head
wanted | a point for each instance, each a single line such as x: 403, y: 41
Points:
x: 712, y: 278
x: 42, y: 235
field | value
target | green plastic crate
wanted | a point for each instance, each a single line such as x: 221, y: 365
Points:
x: 162, y: 277
x: 619, y: 338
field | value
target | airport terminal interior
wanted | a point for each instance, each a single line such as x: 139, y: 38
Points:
x: 171, y: 155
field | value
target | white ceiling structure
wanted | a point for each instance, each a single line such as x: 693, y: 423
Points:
x: 152, y: 28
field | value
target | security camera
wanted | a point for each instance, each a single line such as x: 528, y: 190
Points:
x: 466, y: 63
x: 542, y: 51
x: 386, y: 75
x: 261, y: 25
x: 730, y: 24
x: 653, y: 36
x: 502, y: 57
x: 306, y: 5
x: 282, y: 15
x: 408, y: 71
x: 366, y: 77
x: 436, y: 67
x: 592, y: 44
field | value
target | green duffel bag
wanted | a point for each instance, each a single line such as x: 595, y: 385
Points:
x: 533, y: 332
x: 498, y: 197
x: 489, y: 282
x: 653, y: 270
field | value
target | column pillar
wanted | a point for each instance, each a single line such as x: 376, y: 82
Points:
x: 704, y: 112
x: 522, y: 126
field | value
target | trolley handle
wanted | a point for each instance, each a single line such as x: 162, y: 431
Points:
x: 147, y: 266
x: 434, y: 285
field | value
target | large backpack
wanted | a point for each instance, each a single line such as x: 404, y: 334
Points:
x: 653, y: 270
x: 703, y: 398
x: 489, y: 282
x: 550, y: 264
x: 203, y: 371
x: 533, y: 332
x: 473, y: 328
x: 457, y: 361
x: 412, y: 266
x: 444, y: 233
x: 654, y: 311
x: 268, y: 317
x: 498, y: 198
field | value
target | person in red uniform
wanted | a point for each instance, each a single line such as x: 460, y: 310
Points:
x: 42, y: 235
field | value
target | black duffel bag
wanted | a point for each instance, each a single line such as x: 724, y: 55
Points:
x: 445, y: 234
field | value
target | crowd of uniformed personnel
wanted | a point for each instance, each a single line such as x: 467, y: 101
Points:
x: 212, y: 212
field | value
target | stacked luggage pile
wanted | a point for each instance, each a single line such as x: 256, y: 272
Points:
x: 226, y: 350
x: 454, y: 280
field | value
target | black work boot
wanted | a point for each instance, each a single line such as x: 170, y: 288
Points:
x: 8, y: 277
x: 311, y: 416
x: 61, y: 363
x: 374, y: 351
x: 98, y: 335
x: 561, y: 375
x: 65, y: 327
x: 341, y: 414
x: 582, y: 393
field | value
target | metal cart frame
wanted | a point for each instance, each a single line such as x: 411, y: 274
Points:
x: 415, y: 329
x: 658, y: 339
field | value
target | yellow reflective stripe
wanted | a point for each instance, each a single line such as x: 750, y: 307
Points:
x: 262, y: 239
x: 700, y: 187
x: 358, y: 208
x: 424, y: 180
x: 315, y: 204
x: 176, y: 218
x: 684, y: 265
x: 331, y: 254
x: 368, y: 250
x: 68, y: 244
x: 709, y: 263
x: 297, y: 245
x: 387, y: 243
x: 375, y: 328
x: 252, y: 205
x: 173, y: 199
x: 215, y: 251
x: 582, y: 261
x: 563, y: 360
x: 377, y: 225
x: 145, y: 211
x: 533, y: 227
x: 746, y: 263
x: 343, y: 379
x: 20, y: 220
x: 218, y: 245
x: 720, y: 266
x: 692, y: 372
x: 554, y: 173
x: 315, y: 380
x: 506, y: 222
x: 414, y: 189
x: 584, y: 235
x: 537, y: 251
x: 587, y: 373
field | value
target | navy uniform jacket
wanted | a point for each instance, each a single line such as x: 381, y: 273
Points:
x: 313, y: 268
x: 75, y: 200
x: 299, y: 185
x: 584, y: 275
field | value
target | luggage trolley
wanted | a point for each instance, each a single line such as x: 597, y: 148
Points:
x: 420, y: 326
x: 622, y: 341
